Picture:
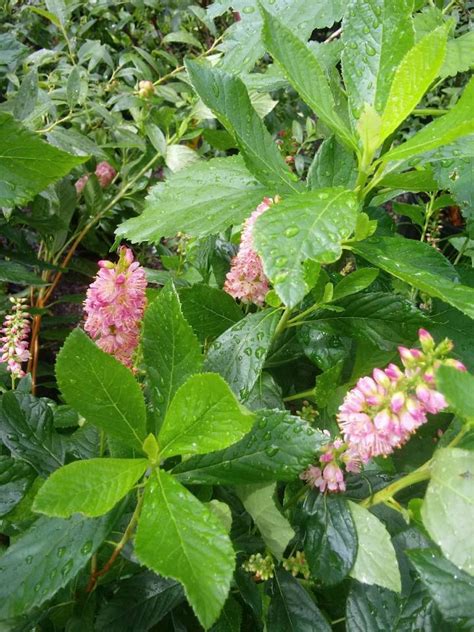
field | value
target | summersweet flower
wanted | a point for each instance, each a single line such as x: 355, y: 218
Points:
x: 114, y: 306
x: 14, y: 338
x: 329, y: 475
x: 246, y: 279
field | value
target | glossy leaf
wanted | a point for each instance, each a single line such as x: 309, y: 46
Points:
x: 203, y: 416
x: 448, y: 508
x: 355, y: 282
x: 239, y: 353
x: 27, y: 429
x: 372, y: 609
x: 226, y: 96
x: 15, y: 479
x: 140, y: 602
x: 333, y: 165
x: 415, y: 73
x: 92, y: 487
x: 376, y: 34
x: 230, y: 619
x: 453, y: 324
x: 180, y: 538
x: 291, y: 608
x: 375, y: 562
x: 171, y: 351
x: 302, y: 69
x: 208, y: 310
x: 419, y: 265
x: 46, y: 558
x: 101, y: 389
x: 278, y: 447
x: 458, y: 388
x: 200, y: 200
x: 311, y: 225
x: 28, y: 164
x: 330, y: 537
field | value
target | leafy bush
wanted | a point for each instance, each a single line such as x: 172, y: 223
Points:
x: 265, y: 420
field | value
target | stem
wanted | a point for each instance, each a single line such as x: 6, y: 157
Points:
x: 301, y: 315
x: 461, y: 251
x: 283, y: 322
x: 295, y: 498
x: 423, y: 473
x: 429, y: 112
x: 333, y: 36
x: 303, y: 395
x: 95, y: 574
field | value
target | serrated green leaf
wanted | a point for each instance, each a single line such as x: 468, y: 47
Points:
x: 278, y: 447
x: 274, y: 528
x: 415, y: 73
x: 448, y: 508
x: 376, y: 34
x: 46, y: 558
x: 178, y: 537
x: 458, y: 388
x: 227, y: 97
x: 302, y: 69
x: 15, y: 479
x: 333, y: 165
x: 201, y: 200
x: 375, y: 562
x: 311, y: 225
x: 203, y: 416
x: 239, y: 353
x: 92, y: 487
x: 28, y: 164
x: 419, y: 265
x: 330, y: 542
x: 459, y: 55
x: 372, y: 609
x: 101, y: 389
x: 171, y: 351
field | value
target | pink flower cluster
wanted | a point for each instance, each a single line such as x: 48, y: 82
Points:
x: 246, y: 279
x: 328, y: 476
x: 114, y: 305
x: 382, y: 411
x: 105, y: 174
x: 14, y: 348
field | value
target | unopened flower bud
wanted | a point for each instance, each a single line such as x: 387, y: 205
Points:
x: 145, y: 89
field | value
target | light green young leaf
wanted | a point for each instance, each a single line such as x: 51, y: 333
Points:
x: 444, y: 130
x: 227, y: 97
x: 201, y: 200
x: 355, y: 282
x: 458, y: 388
x: 27, y: 164
x: 459, y: 55
x: 311, y: 225
x: 204, y: 415
x: 274, y: 528
x: 448, y: 508
x: 376, y: 34
x: 89, y: 487
x: 178, y: 537
x: 302, y: 69
x: 101, y: 389
x: 369, y: 129
x: 171, y: 351
x: 376, y: 562
x: 417, y: 70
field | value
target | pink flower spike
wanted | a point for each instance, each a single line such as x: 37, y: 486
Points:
x: 14, y: 350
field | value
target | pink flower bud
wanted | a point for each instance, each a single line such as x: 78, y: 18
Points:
x: 81, y: 183
x: 105, y: 174
x: 426, y: 340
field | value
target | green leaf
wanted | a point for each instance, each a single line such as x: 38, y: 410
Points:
x: 373, y: 609
x: 26, y: 97
x: 266, y: 393
x: 459, y: 55
x: 11, y: 272
x: 171, y: 351
x: 421, y: 266
x: 201, y: 200
x: 451, y: 323
x: 27, y: 429
x: 227, y: 97
x: 311, y: 225
x: 46, y: 558
x: 444, y: 130
x: 451, y: 589
x: 302, y: 69
x: 414, y: 75
x: 376, y: 34
x: 458, y: 388
x: 179, y: 537
x: 239, y: 353
x: 28, y: 165
x: 15, y: 479
x: 101, y: 389
x: 333, y: 165
x: 278, y: 448
x: 385, y: 320
x: 448, y: 508
x: 209, y: 310
x: 291, y: 608
x: 89, y: 487
x: 203, y: 416
x: 375, y: 562
x: 355, y: 282
x: 230, y: 619
x: 274, y: 528
x: 330, y: 543
x: 140, y: 602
